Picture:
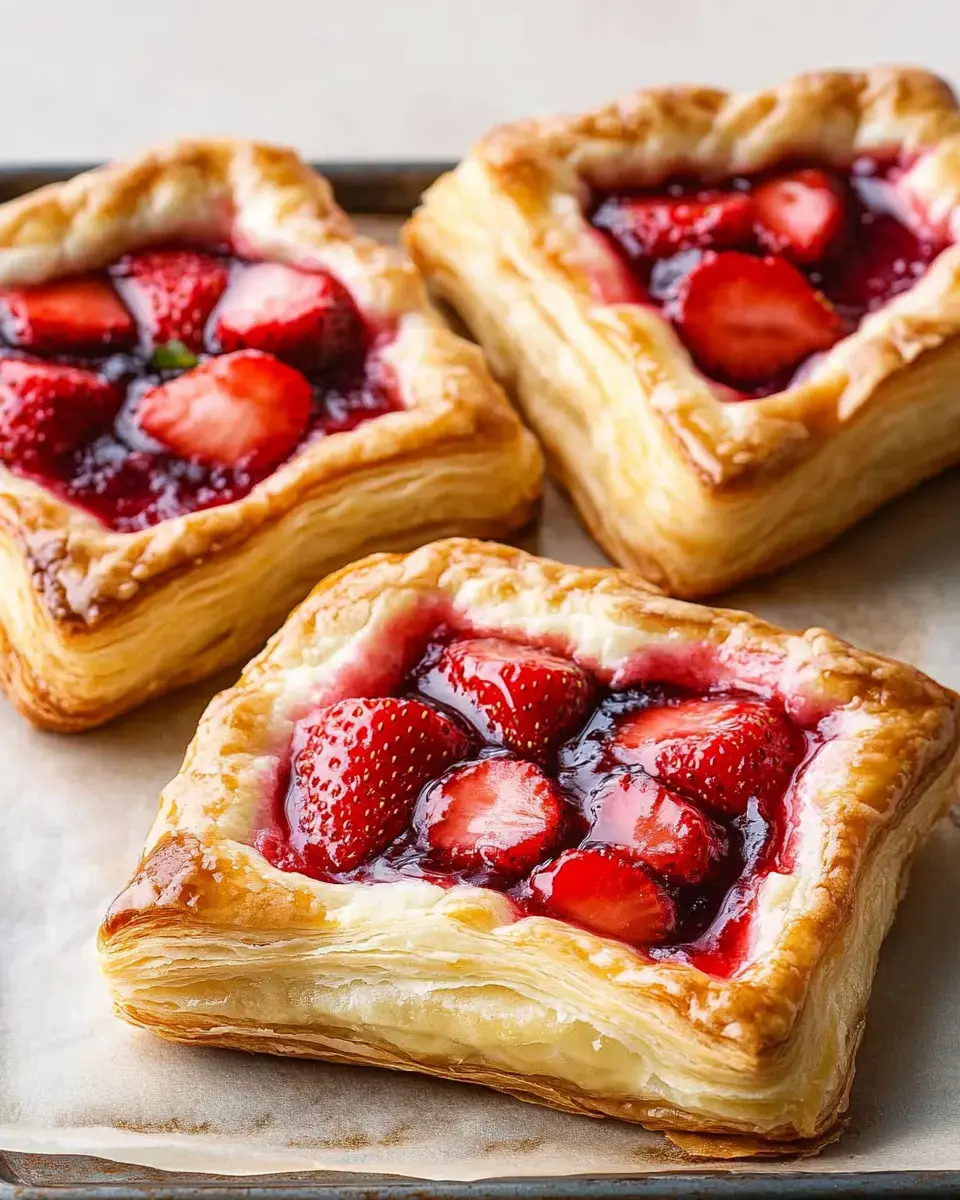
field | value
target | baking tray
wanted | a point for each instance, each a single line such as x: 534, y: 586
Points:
x: 391, y: 189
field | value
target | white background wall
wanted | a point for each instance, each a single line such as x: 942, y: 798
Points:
x: 388, y: 78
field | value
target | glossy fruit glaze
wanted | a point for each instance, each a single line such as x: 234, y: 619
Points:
x: 179, y: 378
x: 651, y: 815
x: 829, y: 246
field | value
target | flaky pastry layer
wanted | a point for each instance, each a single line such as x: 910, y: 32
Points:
x: 696, y: 492
x: 210, y: 944
x: 92, y: 621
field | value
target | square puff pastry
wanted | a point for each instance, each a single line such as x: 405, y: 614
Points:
x: 93, y: 621
x: 210, y: 944
x: 695, y: 492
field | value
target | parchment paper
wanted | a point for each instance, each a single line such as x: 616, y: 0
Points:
x: 74, y: 1080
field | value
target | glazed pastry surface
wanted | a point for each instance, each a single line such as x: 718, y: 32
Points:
x: 94, y: 621
x: 210, y: 943
x: 671, y: 477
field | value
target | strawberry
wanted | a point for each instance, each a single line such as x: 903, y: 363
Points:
x: 48, y: 410
x: 357, y: 775
x: 500, y: 813
x: 801, y: 215
x: 172, y: 292
x: 888, y: 259
x: 660, y: 226
x: 721, y: 753
x: 606, y: 892
x: 525, y: 699
x: 245, y: 409
x: 746, y: 319
x: 69, y: 314
x: 306, y: 317
x: 656, y: 827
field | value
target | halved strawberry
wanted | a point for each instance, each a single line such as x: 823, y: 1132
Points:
x: 306, y: 317
x: 659, y: 226
x: 801, y: 215
x: 656, y: 827
x: 500, y: 813
x: 526, y: 699
x: 84, y: 313
x: 357, y: 775
x: 172, y: 292
x: 244, y: 409
x: 722, y: 753
x: 745, y: 319
x: 606, y: 892
x: 47, y: 410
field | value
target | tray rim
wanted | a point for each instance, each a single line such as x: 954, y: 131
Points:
x: 388, y: 187
x: 391, y: 187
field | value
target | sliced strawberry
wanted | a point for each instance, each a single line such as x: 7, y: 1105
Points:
x: 308, y: 318
x: 526, y: 699
x: 656, y: 827
x: 357, y: 775
x: 746, y: 319
x: 245, y: 409
x: 659, y: 226
x: 172, y: 292
x: 48, y: 410
x: 69, y: 314
x: 801, y: 215
x: 605, y: 891
x: 722, y: 753
x: 501, y: 813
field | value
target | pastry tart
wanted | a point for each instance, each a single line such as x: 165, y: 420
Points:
x: 731, y: 319
x: 212, y: 392
x: 485, y: 816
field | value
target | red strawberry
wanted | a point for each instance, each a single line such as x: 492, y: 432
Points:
x: 604, y: 891
x: 721, y: 753
x: 525, y: 699
x: 358, y: 773
x: 801, y: 215
x: 499, y: 813
x: 172, y: 292
x: 68, y: 314
x: 47, y: 410
x: 306, y: 317
x: 888, y: 259
x: 245, y: 409
x: 659, y: 226
x: 746, y: 319
x: 656, y: 827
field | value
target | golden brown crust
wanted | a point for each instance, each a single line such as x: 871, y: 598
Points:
x: 448, y: 981
x: 673, y: 480
x: 83, y: 600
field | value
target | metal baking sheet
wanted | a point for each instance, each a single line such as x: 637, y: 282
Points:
x: 822, y: 590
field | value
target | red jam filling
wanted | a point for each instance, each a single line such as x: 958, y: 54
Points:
x: 760, y: 274
x: 650, y: 815
x: 177, y: 379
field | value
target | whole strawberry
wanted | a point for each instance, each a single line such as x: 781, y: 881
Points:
x: 357, y: 775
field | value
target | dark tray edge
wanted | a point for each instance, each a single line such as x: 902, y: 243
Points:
x: 388, y: 188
